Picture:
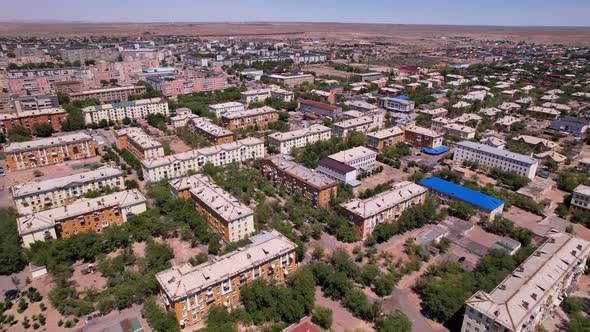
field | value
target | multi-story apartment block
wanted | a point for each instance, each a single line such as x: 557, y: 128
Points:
x: 138, y: 142
x: 438, y: 124
x: 283, y: 95
x: 214, y: 133
x: 531, y: 292
x: 491, y: 157
x: 184, y: 86
x: 423, y: 137
x: 35, y: 103
x: 109, y: 95
x: 223, y: 108
x: 338, y: 171
x: 361, y: 124
x: 292, y: 80
x: 320, y: 109
x: 224, y: 213
x: 397, y: 104
x: 134, y: 110
x: 252, y: 96
x: 32, y: 85
x: 361, y: 158
x: 385, y: 138
x: 435, y: 113
x: 249, y: 118
x: 285, y: 142
x: 35, y: 196
x: 179, y: 164
x: 361, y: 106
x: 366, y: 214
x: 298, y: 179
x: 190, y: 290
x: 49, y: 151
x: 459, y: 130
x: 182, y: 117
x: 584, y: 165
x: 84, y: 215
x: 580, y: 199
x: 28, y: 119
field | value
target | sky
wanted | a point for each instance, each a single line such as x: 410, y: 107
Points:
x: 452, y: 12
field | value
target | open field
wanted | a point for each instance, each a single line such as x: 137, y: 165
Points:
x: 397, y: 33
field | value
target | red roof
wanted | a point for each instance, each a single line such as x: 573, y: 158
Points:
x: 303, y: 327
x: 319, y: 105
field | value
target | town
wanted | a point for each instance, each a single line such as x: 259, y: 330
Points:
x: 260, y: 183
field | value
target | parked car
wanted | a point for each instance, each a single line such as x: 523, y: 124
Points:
x: 12, y: 294
x: 461, y: 259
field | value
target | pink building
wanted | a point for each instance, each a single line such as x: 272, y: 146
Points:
x: 34, y: 85
x: 183, y: 86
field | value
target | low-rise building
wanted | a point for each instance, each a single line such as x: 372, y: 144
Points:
x: 423, y: 137
x: 134, y: 110
x: 361, y: 158
x: 249, y: 118
x: 298, y: 179
x: 584, y: 165
x: 537, y: 144
x: 338, y: 171
x: 109, y: 95
x: 571, y: 125
x: 190, y: 290
x: 360, y: 105
x: 507, y: 122
x: 459, y: 130
x: 385, y: 138
x: 223, y: 108
x: 35, y: 196
x: 287, y: 141
x: 183, y: 86
x: 49, y: 151
x: 224, y: 213
x: 486, y: 205
x: 533, y: 290
x: 292, y: 80
x: 138, y: 142
x: 361, y: 124
x: 319, y: 109
x: 35, y: 103
x: 214, y: 133
x: 179, y: 164
x: 182, y: 117
x: 580, y: 199
x: 491, y: 157
x: 84, y: 215
x: 435, y: 113
x: 385, y: 207
x: 283, y: 95
x: 28, y: 119
x: 252, y: 96
x: 397, y: 104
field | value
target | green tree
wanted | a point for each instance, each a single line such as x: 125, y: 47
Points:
x: 158, y: 319
x: 43, y: 129
x: 572, y: 305
x: 12, y: 257
x: 394, y: 322
x: 19, y: 134
x: 322, y: 316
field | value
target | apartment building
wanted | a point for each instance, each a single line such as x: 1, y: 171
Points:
x: 179, y: 164
x: 381, y: 139
x: 315, y: 108
x: 439, y: 124
x: 298, y: 179
x: 283, y: 95
x: 360, y: 105
x: 460, y: 131
x: 184, y: 86
x: 35, y: 196
x: 584, y: 165
x: 214, y: 133
x: 35, y: 103
x: 224, y: 213
x: 182, y: 117
x: 435, y: 113
x: 32, y: 85
x: 138, y: 142
x: 361, y: 158
x: 423, y: 137
x: 49, y: 151
x: 362, y: 124
x: 366, y: 214
x: 252, y: 96
x: 28, y: 119
x: 338, y: 171
x: 109, y: 95
x: 84, y: 215
x: 580, y: 199
x: 223, y: 108
x: 190, y: 290
x: 287, y: 141
x: 530, y: 293
x: 397, y: 104
x: 491, y: 157
x: 249, y: 118
x: 134, y: 110
x: 292, y: 80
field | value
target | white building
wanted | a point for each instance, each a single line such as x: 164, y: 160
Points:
x: 283, y: 95
x: 492, y: 157
x: 252, y: 96
x: 338, y: 171
x: 531, y: 292
x: 134, y: 110
x: 179, y: 164
x: 362, y: 124
x: 285, y: 142
x: 220, y: 109
x: 33, y: 196
x: 397, y: 104
x: 459, y: 130
x: 361, y: 158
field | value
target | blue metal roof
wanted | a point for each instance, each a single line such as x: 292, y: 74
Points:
x: 456, y: 191
x: 402, y: 97
x: 437, y: 151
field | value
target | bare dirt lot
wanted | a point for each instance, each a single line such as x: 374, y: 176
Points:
x: 389, y: 173
x: 342, y: 319
x: 522, y: 218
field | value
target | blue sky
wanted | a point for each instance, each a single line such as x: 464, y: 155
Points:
x: 459, y: 12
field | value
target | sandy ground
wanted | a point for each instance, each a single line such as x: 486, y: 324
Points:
x: 389, y: 173
x: 176, y: 144
x: 342, y: 319
x: 91, y: 280
x: 183, y: 250
x: 522, y: 218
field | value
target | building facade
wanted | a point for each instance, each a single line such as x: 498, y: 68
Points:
x: 285, y: 142
x: 85, y: 215
x: 298, y: 179
x: 385, y: 207
x: 31, y: 197
x: 179, y: 164
x: 381, y: 139
x: 423, y: 137
x: 109, y: 95
x: 138, y: 142
x: 249, y: 118
x: 214, y: 133
x: 252, y: 96
x: 491, y: 157
x: 223, y: 108
x: 580, y: 199
x: 28, y: 119
x: 397, y: 104
x: 134, y: 110
x: 292, y: 80
x: 320, y: 109
x: 361, y: 158
x: 49, y: 151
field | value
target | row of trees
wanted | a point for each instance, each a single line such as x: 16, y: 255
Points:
x: 312, y: 153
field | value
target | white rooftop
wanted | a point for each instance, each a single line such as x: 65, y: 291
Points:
x: 399, y: 192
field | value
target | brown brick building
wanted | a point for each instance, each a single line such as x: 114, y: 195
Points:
x: 297, y: 179
x: 249, y: 118
x: 142, y: 145
x: 49, y: 151
x: 214, y: 133
x: 28, y: 119
x: 384, y: 138
x: 423, y: 137
x: 109, y: 95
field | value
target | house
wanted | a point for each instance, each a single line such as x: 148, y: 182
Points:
x: 570, y: 125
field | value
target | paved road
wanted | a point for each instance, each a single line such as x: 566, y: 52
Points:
x: 400, y: 300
